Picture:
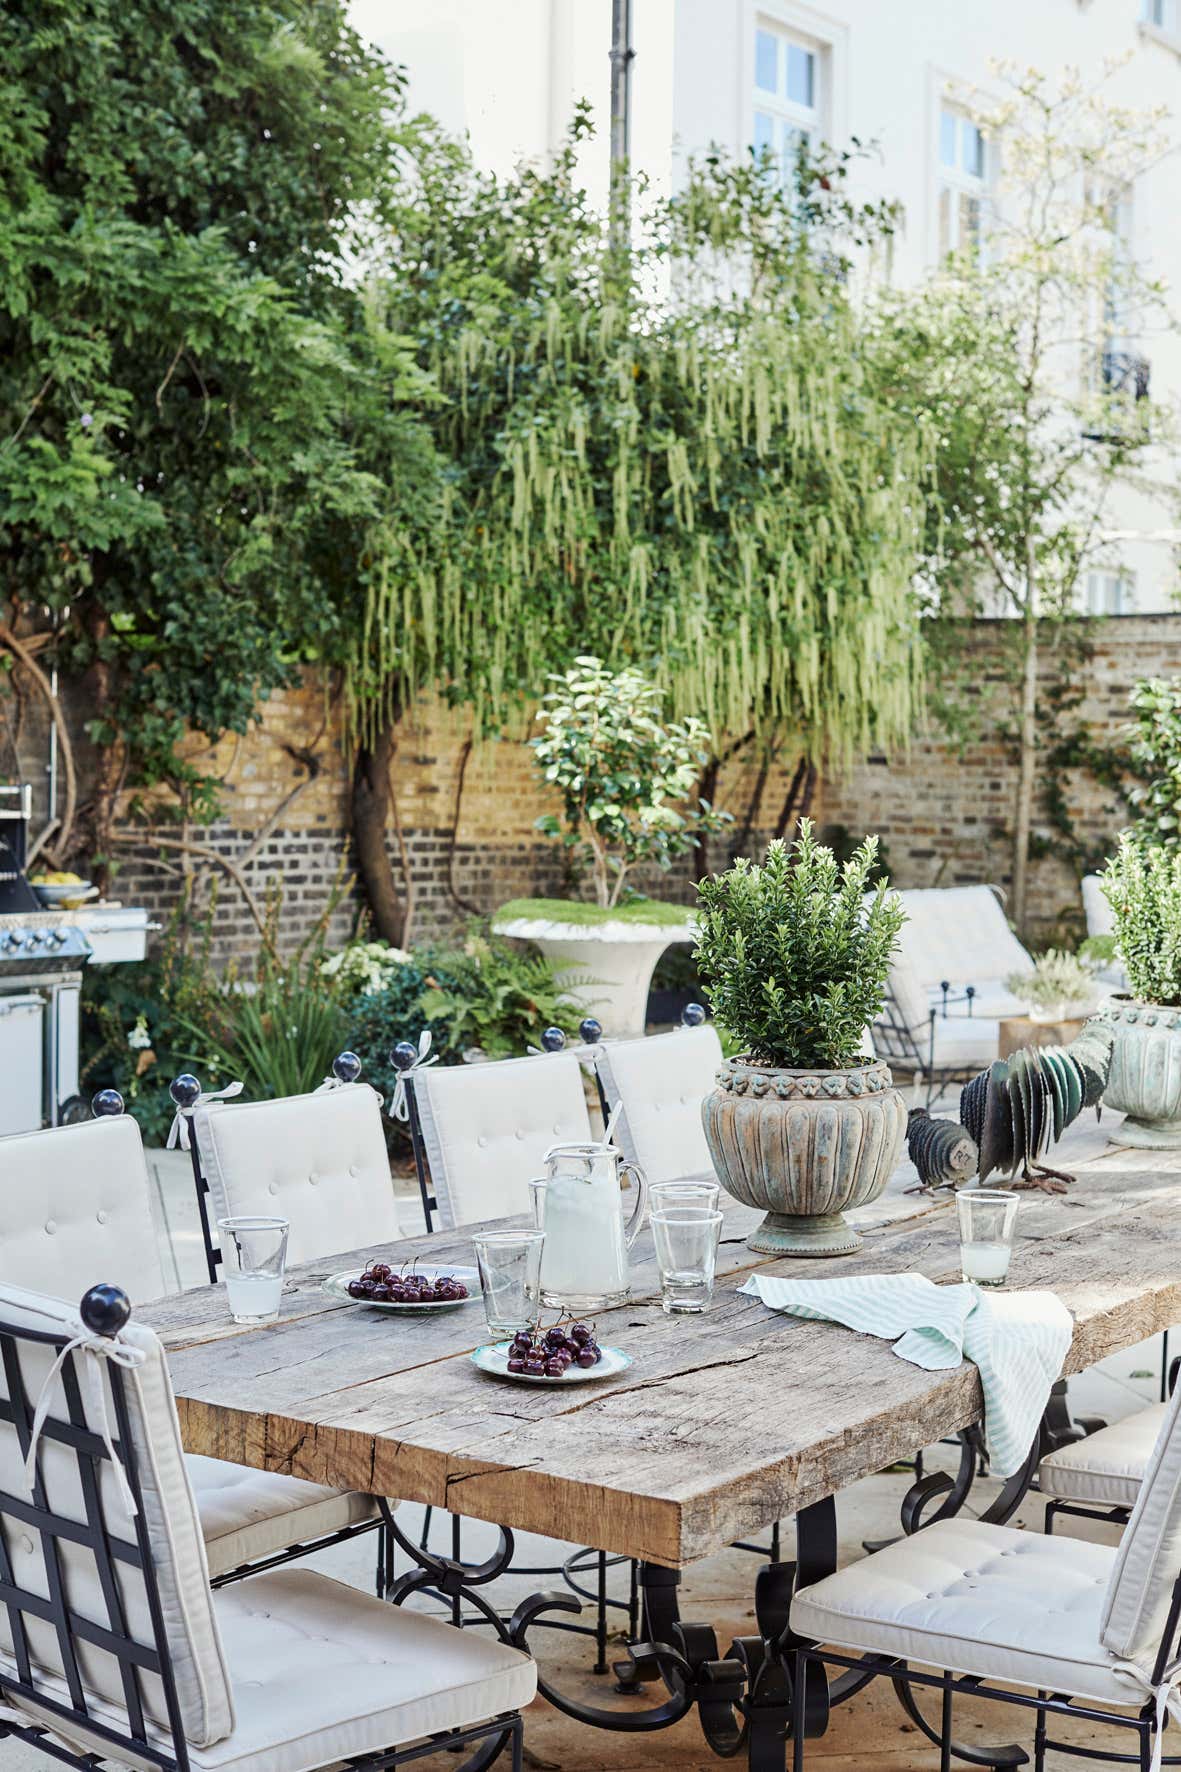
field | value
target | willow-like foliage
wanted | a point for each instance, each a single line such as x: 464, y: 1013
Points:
x: 687, y: 466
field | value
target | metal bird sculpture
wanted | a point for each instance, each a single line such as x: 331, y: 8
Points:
x: 1012, y: 1113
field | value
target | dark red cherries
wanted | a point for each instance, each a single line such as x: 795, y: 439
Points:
x: 382, y: 1284
x: 549, y: 1353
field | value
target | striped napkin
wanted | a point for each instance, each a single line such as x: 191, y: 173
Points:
x: 1018, y: 1339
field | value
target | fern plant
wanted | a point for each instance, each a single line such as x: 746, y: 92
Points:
x: 793, y: 958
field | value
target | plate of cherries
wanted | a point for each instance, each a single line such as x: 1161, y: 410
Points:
x: 565, y: 1353
x: 414, y: 1288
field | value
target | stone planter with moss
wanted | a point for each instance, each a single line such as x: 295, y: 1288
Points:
x: 802, y: 1126
x: 626, y: 780
x: 605, y: 955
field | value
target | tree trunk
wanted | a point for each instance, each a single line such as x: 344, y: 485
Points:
x: 372, y: 817
x: 1027, y: 757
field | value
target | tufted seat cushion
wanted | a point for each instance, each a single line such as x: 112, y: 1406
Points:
x: 1108, y: 1467
x: 248, y: 1515
x: 487, y: 1127
x: 662, y: 1083
x: 977, y: 1599
x: 318, y: 1160
x: 964, y: 1040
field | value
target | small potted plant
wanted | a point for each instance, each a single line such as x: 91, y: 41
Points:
x: 1142, y: 884
x: 1061, y: 987
x: 626, y: 778
x: 795, y: 957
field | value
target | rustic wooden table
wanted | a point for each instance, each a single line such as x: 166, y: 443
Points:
x: 726, y: 1422
x: 1016, y: 1031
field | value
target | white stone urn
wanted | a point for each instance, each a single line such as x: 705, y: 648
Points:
x: 604, y: 959
x: 1144, y: 1082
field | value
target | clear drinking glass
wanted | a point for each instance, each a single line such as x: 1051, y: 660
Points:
x: 686, y: 1239
x: 987, y: 1218
x: 663, y: 1194
x: 253, y: 1260
x: 510, y: 1277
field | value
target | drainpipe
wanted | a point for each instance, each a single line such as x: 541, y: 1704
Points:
x: 622, y: 56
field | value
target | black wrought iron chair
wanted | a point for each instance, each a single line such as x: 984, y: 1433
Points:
x: 936, y: 1048
x: 75, y: 1196
x: 116, y: 1646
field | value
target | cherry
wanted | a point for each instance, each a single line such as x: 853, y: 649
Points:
x: 380, y: 1270
x: 587, y: 1359
x: 516, y: 1364
x: 356, y: 1290
x: 382, y: 1293
x: 554, y: 1337
x: 579, y: 1334
x: 555, y: 1368
x: 535, y: 1366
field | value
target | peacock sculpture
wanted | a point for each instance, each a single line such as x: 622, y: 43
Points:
x: 1012, y: 1113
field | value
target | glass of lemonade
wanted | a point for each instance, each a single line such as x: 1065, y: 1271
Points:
x: 987, y: 1218
x: 254, y: 1258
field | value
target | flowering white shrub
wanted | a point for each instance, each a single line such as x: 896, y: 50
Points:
x: 365, y: 967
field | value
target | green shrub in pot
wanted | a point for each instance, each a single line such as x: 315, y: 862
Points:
x: 794, y: 956
x: 1142, y: 884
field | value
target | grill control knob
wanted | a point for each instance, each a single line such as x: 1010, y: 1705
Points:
x: 11, y: 941
x: 57, y: 938
x: 36, y: 937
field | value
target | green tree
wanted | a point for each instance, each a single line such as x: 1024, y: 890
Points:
x: 198, y: 425
x: 1022, y: 362
x: 674, y: 459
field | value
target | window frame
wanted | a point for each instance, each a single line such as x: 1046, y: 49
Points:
x: 957, y: 182
x: 812, y: 122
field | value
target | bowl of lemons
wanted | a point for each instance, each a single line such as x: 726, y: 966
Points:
x: 62, y: 891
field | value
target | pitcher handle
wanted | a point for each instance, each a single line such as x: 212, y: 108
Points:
x: 631, y: 1229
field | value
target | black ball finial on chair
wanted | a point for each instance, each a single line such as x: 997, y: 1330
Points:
x: 692, y: 1015
x: 553, y: 1040
x: 105, y: 1310
x: 106, y: 1104
x: 346, y: 1067
x: 185, y: 1090
x: 590, y: 1030
x: 403, y: 1055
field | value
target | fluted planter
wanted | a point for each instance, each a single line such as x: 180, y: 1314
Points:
x: 1145, y: 1077
x: 804, y: 1147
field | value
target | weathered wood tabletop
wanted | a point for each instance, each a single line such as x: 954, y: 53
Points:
x: 725, y: 1422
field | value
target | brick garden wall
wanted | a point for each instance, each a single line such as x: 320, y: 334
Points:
x: 943, y: 817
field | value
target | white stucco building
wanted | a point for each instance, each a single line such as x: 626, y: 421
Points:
x: 742, y: 72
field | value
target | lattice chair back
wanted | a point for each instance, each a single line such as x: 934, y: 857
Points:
x: 661, y: 1082
x: 107, y: 1628
x: 1140, y: 1614
x: 319, y: 1160
x: 77, y: 1200
x: 485, y: 1129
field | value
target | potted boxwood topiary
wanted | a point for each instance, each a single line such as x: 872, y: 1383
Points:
x: 794, y: 960
x: 1142, y: 884
x: 626, y: 778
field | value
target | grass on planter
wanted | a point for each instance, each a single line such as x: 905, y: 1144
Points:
x: 566, y: 910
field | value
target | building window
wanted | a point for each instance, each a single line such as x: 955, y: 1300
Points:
x: 1110, y: 593
x: 963, y: 183
x: 1161, y: 13
x: 787, y: 97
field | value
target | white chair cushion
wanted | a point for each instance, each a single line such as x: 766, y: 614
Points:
x: 1107, y: 1467
x: 247, y: 1515
x: 322, y: 1672
x: 75, y: 1208
x: 910, y: 998
x: 976, y: 1599
x: 487, y: 1127
x: 958, y: 933
x: 1099, y: 914
x: 662, y: 1083
x: 178, y: 1549
x: 967, y: 1043
x: 318, y: 1160
x: 1149, y: 1553
x: 991, y: 1001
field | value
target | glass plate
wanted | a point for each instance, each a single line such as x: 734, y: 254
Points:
x: 493, y: 1358
x: 338, y: 1286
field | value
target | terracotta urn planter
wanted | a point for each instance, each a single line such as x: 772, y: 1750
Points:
x: 804, y: 1146
x: 1145, y: 1077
